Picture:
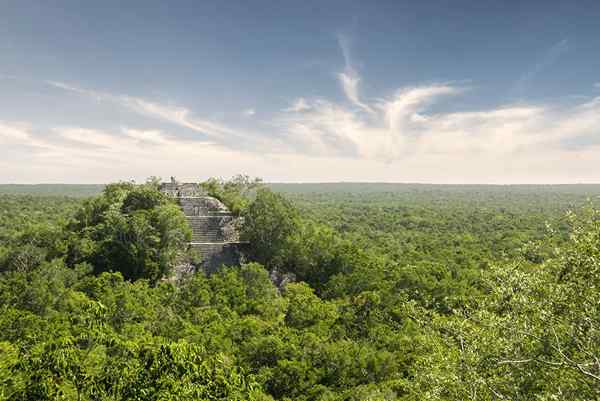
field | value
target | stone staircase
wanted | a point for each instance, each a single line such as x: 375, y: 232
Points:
x: 208, y: 228
x: 203, y: 206
x: 215, y: 255
x: 213, y: 231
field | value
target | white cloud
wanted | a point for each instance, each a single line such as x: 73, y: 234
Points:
x: 405, y: 107
x: 298, y: 105
x: 249, y: 112
x: 402, y: 129
x: 96, y: 139
x: 174, y: 114
x: 597, y: 85
x: 402, y: 138
x: 153, y: 137
x: 65, y: 86
x: 349, y: 78
x: 217, y: 133
x: 14, y: 131
x: 19, y: 134
x: 81, y: 154
x: 349, y: 81
x: 124, y: 141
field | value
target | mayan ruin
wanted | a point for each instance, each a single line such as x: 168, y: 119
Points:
x: 214, y: 228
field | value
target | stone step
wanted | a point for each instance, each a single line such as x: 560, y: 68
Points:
x: 201, y: 228
x: 204, y: 229
x: 222, y: 218
x: 218, y: 220
x: 200, y: 206
x: 212, y: 228
x: 213, y: 235
x: 208, y: 238
x: 214, y: 255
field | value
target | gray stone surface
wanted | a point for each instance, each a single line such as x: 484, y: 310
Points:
x: 215, y: 233
x: 280, y: 280
x: 181, y: 189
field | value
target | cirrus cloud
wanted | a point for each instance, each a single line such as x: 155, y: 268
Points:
x: 404, y: 136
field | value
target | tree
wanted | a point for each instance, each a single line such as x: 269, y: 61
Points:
x: 306, y: 310
x: 235, y: 193
x: 269, y: 222
x: 535, y: 333
x: 316, y: 253
x: 11, y: 379
x: 132, y: 229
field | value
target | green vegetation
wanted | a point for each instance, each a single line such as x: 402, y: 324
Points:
x: 401, y: 292
x: 235, y: 193
x: 72, y: 190
x: 133, y: 229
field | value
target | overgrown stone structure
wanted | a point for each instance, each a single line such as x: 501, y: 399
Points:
x: 215, y: 234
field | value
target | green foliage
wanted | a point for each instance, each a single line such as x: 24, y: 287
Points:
x: 535, y: 332
x: 306, y: 310
x: 52, y: 190
x: 397, y: 293
x: 269, y: 222
x: 132, y: 229
x: 235, y: 193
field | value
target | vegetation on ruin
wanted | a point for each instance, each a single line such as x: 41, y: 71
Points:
x: 402, y: 292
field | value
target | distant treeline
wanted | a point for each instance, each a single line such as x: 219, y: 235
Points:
x: 84, y: 190
x: 72, y: 190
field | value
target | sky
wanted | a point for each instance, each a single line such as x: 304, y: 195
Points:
x: 498, y: 92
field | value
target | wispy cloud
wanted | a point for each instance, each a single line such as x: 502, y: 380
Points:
x: 549, y: 57
x: 215, y: 132
x: 298, y: 105
x: 75, y: 154
x: 349, y: 78
x: 406, y: 135
x: 20, y: 134
x: 127, y: 140
x: 402, y: 128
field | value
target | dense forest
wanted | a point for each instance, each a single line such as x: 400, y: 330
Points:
x: 391, y: 292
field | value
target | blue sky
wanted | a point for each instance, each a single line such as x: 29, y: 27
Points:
x: 444, y: 92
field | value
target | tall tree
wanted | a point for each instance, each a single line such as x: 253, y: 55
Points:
x: 269, y: 222
x: 132, y: 229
